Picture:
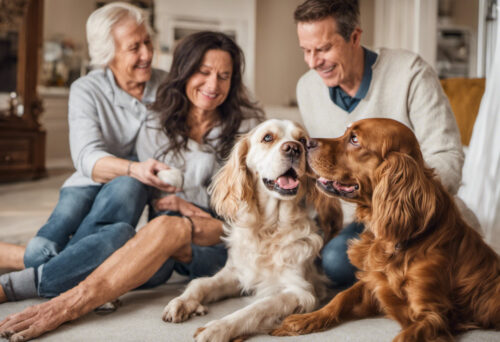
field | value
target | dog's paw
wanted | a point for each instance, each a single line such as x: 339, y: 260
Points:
x: 299, y: 325
x: 179, y: 310
x: 214, y: 331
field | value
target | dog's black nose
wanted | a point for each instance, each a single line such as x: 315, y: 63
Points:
x: 291, y: 148
x: 312, y: 144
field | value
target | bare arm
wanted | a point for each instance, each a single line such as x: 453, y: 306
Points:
x: 108, y: 168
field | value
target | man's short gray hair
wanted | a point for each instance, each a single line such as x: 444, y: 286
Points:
x: 100, y: 25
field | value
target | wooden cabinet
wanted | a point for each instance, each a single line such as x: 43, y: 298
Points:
x: 22, y: 138
x: 22, y: 153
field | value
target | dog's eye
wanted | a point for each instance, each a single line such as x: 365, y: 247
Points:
x: 303, y: 141
x: 354, y: 140
x: 268, y: 138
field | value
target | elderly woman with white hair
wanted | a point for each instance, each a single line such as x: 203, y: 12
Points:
x: 101, y: 203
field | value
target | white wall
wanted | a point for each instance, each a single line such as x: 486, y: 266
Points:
x: 407, y: 24
x: 234, y: 15
x: 66, y: 19
x: 279, y: 59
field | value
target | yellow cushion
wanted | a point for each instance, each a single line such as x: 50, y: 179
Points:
x: 465, y: 97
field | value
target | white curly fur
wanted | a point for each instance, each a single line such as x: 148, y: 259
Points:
x: 272, y: 242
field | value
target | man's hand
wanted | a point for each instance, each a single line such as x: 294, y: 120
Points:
x: 174, y: 203
x: 146, y: 173
x: 35, y: 320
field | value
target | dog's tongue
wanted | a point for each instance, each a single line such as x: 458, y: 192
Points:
x: 342, y: 187
x: 286, y: 182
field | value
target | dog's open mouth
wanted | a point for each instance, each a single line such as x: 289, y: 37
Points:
x: 337, y: 188
x: 286, y: 184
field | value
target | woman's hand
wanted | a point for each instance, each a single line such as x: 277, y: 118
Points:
x: 174, y: 203
x: 146, y: 172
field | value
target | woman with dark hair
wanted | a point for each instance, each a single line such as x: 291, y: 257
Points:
x: 174, y: 105
x: 200, y: 109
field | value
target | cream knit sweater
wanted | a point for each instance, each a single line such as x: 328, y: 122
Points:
x: 404, y: 88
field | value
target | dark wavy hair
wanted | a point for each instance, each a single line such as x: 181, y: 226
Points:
x: 173, y: 104
x: 345, y: 13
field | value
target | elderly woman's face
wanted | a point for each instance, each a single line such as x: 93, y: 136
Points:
x: 133, y: 53
x: 207, y: 88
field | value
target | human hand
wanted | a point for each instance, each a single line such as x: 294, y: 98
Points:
x: 35, y: 320
x: 147, y: 171
x: 175, y: 203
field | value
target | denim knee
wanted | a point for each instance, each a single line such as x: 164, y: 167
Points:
x: 335, y: 262
x: 39, y: 250
x: 206, y: 261
x: 76, y: 261
x: 161, y: 276
x: 125, y: 187
x: 115, y: 236
x: 122, y: 199
x: 73, y: 206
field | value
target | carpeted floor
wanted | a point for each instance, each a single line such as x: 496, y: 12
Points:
x: 25, y: 206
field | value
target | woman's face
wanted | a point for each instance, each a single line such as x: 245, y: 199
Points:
x: 133, y: 53
x: 207, y: 88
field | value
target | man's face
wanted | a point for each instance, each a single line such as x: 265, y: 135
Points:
x: 326, y: 51
x: 133, y: 53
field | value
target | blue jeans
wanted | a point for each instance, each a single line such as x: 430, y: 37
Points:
x: 334, y: 258
x: 206, y: 260
x: 86, y: 227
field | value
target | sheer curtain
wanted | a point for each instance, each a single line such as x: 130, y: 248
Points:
x: 481, y: 173
x: 407, y: 24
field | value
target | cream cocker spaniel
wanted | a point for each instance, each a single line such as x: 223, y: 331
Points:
x: 263, y: 192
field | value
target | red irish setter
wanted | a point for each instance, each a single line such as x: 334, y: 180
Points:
x: 419, y: 262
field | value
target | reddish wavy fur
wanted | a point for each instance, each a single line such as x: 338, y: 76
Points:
x: 419, y: 262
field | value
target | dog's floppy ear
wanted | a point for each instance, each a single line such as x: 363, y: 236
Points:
x: 232, y: 185
x: 404, y: 202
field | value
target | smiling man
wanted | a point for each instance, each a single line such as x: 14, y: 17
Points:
x: 348, y: 82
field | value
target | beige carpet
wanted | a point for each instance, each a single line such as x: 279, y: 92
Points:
x: 139, y: 319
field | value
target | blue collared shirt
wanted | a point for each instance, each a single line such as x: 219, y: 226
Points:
x: 342, y: 99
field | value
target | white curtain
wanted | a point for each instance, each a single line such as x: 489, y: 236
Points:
x: 407, y: 24
x: 481, y: 173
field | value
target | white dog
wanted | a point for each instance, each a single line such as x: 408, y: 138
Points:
x: 261, y: 192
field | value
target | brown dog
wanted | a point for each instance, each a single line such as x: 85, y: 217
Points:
x: 419, y: 262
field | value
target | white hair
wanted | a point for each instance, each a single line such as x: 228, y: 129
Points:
x: 100, y: 25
